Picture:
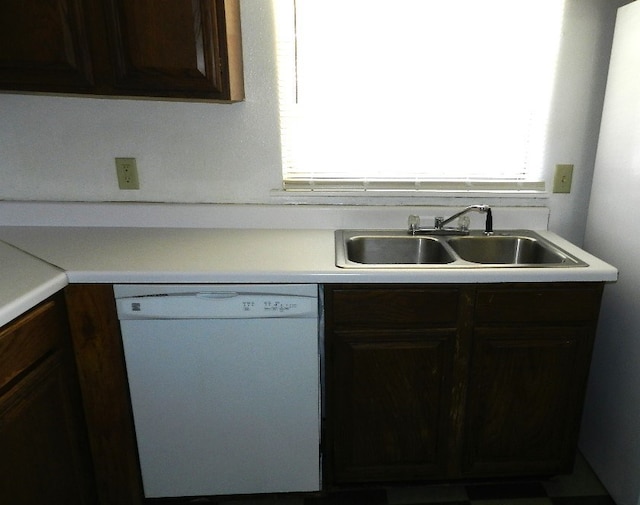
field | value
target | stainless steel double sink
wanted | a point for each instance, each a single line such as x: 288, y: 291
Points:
x: 399, y: 249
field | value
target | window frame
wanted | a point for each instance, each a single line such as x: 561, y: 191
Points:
x: 376, y: 188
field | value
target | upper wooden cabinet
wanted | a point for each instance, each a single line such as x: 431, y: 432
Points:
x: 172, y: 49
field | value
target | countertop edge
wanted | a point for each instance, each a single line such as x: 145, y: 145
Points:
x: 32, y: 297
x: 361, y: 276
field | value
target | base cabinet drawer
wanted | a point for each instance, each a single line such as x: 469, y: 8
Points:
x: 548, y: 303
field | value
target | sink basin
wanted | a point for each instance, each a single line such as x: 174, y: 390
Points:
x: 397, y: 249
x: 508, y: 250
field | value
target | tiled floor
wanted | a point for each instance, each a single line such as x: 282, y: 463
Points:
x: 580, y: 488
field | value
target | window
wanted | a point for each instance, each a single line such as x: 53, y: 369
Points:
x: 415, y: 94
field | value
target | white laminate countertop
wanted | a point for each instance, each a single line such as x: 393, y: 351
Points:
x: 177, y: 255
x: 25, y: 281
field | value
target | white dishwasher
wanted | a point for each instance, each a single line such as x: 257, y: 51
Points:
x: 225, y: 386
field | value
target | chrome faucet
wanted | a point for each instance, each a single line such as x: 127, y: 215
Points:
x: 440, y: 222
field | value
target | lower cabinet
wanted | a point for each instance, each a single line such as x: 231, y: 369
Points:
x: 451, y: 382
x: 389, y: 381
x: 43, y: 444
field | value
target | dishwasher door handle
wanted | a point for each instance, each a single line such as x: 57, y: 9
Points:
x: 220, y: 295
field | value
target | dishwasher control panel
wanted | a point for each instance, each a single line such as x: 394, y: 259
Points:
x: 218, y: 302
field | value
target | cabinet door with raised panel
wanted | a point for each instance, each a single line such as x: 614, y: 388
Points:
x: 390, y: 380
x: 44, y: 452
x: 43, y: 46
x: 525, y: 400
x: 529, y: 364
x: 173, y: 47
x: 389, y: 399
x: 40, y: 460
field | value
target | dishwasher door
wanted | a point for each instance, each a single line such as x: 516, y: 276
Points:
x: 228, y: 404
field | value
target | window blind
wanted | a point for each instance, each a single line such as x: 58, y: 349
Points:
x: 415, y: 94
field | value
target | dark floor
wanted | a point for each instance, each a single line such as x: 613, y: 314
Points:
x: 580, y: 488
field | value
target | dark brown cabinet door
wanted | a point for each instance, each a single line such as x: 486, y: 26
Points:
x: 172, y: 46
x: 390, y: 354
x: 529, y: 364
x: 525, y: 399
x: 40, y: 461
x: 44, y: 451
x: 43, y: 46
x: 389, y: 404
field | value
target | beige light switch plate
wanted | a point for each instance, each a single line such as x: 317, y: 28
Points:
x: 562, y: 179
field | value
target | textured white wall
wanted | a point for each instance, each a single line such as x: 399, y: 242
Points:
x: 577, y: 107
x: 62, y: 149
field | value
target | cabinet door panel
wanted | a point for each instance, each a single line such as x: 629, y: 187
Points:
x: 43, y: 46
x: 39, y: 441
x: 526, y: 400
x: 389, y: 405
x: 171, y: 45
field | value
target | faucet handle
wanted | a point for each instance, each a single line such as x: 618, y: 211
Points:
x: 463, y: 223
x: 414, y: 223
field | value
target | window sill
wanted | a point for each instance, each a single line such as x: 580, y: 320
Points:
x: 421, y: 197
